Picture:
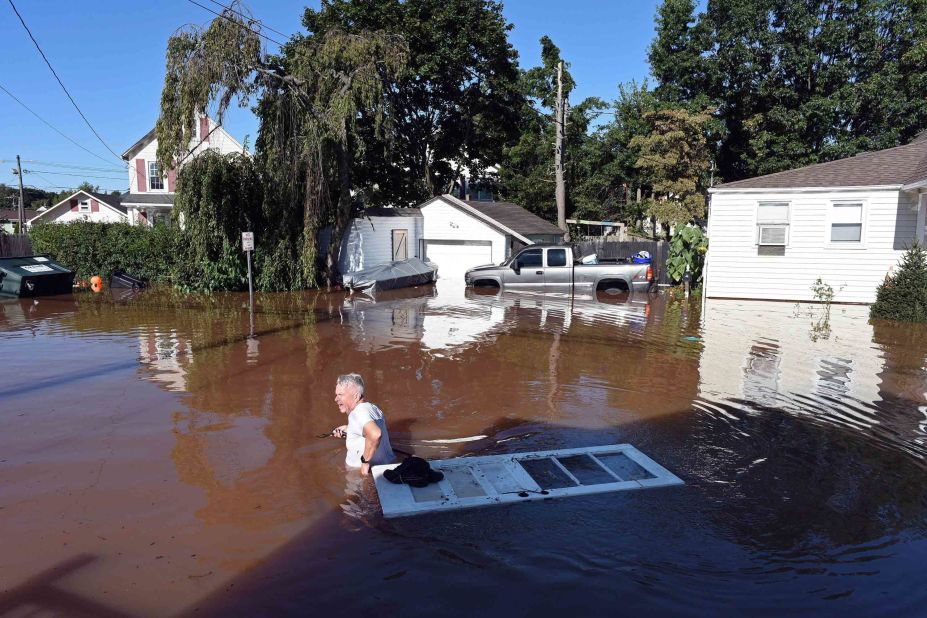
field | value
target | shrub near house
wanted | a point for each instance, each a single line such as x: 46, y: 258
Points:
x: 100, y: 248
x: 903, y: 296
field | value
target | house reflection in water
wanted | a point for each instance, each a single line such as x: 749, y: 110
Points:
x: 784, y: 365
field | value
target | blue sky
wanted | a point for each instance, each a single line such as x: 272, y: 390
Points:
x: 110, y: 55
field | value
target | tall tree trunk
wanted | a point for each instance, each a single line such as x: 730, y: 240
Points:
x: 312, y: 216
x: 342, y: 213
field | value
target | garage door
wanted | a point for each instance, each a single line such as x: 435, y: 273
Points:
x: 455, y: 257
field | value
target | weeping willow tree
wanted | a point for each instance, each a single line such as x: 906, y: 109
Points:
x: 311, y: 98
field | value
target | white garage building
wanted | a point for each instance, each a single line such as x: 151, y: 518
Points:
x: 452, y: 233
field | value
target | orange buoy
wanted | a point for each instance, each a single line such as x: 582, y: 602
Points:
x: 96, y: 287
x: 96, y: 280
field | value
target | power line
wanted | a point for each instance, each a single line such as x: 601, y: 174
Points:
x: 251, y: 17
x: 72, y: 174
x: 71, y: 166
x: 240, y: 25
x: 53, y: 127
x: 61, y: 83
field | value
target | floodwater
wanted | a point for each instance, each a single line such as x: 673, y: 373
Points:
x: 158, y: 460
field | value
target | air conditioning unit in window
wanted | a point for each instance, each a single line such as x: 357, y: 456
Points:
x: 772, y: 235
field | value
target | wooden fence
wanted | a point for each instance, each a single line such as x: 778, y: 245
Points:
x: 610, y: 250
x: 15, y: 245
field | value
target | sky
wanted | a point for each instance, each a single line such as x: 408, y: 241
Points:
x: 110, y: 55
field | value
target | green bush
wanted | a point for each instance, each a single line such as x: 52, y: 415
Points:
x: 218, y: 197
x: 903, y: 296
x: 101, y: 248
x: 687, y: 249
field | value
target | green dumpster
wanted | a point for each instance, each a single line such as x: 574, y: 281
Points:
x: 35, y: 275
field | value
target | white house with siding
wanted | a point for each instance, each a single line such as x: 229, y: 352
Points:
x: 83, y: 206
x: 847, y: 222
x: 452, y: 233
x: 151, y: 189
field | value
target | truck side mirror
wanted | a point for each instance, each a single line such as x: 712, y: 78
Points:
x: 515, y: 267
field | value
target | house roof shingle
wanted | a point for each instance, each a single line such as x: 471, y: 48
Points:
x: 112, y: 200
x: 515, y: 218
x: 12, y: 214
x: 902, y: 165
x: 148, y: 199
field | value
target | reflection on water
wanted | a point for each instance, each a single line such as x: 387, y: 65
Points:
x: 156, y: 434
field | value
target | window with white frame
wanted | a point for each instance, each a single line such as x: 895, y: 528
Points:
x: 772, y: 224
x: 83, y: 206
x: 846, y: 222
x: 154, y: 176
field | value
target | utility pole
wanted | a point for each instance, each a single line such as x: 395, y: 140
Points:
x: 22, y: 215
x: 560, y: 116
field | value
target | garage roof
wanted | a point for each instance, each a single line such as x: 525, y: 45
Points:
x: 515, y: 217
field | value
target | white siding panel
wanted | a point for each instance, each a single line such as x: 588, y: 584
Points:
x: 219, y: 140
x: 368, y: 241
x: 446, y: 222
x: 736, y: 271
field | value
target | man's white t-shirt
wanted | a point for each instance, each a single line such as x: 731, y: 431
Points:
x: 360, y: 416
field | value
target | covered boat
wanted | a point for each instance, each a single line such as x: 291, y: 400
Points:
x: 392, y: 275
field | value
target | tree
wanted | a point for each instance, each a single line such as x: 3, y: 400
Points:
x: 526, y: 172
x: 903, y: 295
x: 675, y: 54
x: 9, y: 197
x: 312, y: 98
x: 609, y: 181
x: 674, y: 158
x: 218, y: 197
x: 455, y: 107
x: 796, y: 83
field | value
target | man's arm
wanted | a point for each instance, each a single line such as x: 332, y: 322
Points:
x: 340, y: 432
x: 372, y: 435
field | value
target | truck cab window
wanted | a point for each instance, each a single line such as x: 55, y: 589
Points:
x: 556, y: 257
x: 530, y: 259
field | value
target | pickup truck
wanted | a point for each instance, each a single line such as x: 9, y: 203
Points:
x: 556, y: 268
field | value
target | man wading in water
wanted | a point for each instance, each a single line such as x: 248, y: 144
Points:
x: 367, y: 438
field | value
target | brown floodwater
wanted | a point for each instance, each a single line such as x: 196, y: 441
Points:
x: 159, y: 456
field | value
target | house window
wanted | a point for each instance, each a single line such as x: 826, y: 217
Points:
x: 846, y: 223
x: 772, y: 227
x: 83, y: 206
x: 154, y: 176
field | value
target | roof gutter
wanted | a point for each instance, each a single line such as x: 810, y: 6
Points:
x: 476, y: 213
x: 723, y: 189
x: 920, y: 184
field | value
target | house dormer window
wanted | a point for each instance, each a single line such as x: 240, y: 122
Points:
x: 154, y: 176
x: 83, y: 206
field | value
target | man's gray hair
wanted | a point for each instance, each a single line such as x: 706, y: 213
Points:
x: 353, y: 379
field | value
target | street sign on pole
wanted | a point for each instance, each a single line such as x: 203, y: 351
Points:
x: 247, y: 244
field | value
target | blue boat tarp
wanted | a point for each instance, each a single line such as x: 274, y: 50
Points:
x: 392, y: 275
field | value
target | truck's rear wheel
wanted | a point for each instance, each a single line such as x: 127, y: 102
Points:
x: 613, y: 287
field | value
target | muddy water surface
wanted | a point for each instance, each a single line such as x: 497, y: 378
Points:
x: 156, y: 459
